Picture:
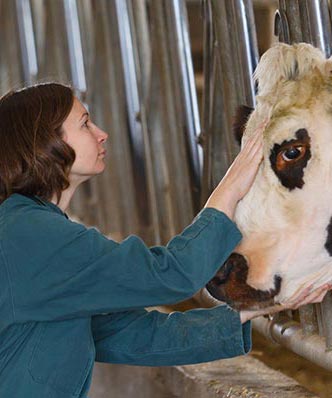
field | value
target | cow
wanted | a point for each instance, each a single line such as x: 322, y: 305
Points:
x: 285, y: 218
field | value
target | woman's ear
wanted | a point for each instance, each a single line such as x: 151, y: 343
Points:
x: 240, y: 120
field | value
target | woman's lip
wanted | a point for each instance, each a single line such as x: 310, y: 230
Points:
x: 102, y: 153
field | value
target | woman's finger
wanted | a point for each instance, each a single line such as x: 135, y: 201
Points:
x: 257, y: 132
x: 253, y: 139
x: 314, y: 297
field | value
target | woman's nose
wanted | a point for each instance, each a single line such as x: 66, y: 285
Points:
x: 102, y: 135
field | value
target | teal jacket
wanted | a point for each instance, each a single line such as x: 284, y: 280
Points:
x: 70, y: 296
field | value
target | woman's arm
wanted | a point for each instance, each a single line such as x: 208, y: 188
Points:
x: 58, y: 269
x: 157, y: 339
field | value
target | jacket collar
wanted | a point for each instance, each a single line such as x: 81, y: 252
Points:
x: 46, y: 203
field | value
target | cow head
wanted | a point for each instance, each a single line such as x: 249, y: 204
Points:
x: 285, y: 218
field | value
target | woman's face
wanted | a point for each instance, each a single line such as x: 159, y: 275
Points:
x: 87, y: 141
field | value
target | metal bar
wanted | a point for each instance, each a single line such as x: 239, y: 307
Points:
x: 142, y: 45
x: 228, y: 87
x: 27, y: 41
x: 326, y: 307
x: 143, y: 178
x: 126, y: 45
x: 247, y: 46
x: 187, y: 80
x: 167, y: 125
x: 132, y: 97
x: 308, y: 319
x: 292, y: 19
x: 237, y: 57
x: 140, y: 15
x: 75, y: 46
x: 318, y: 23
x: 320, y: 321
x: 289, y: 334
x: 205, y: 139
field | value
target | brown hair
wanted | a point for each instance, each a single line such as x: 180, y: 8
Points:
x: 34, y: 159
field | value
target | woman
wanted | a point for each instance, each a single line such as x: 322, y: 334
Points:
x: 70, y: 295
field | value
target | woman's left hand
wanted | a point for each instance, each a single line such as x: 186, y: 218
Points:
x: 306, y: 296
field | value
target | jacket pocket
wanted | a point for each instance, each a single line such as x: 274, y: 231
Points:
x: 63, y: 355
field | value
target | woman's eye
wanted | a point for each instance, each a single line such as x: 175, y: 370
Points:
x: 85, y: 124
x: 292, y: 153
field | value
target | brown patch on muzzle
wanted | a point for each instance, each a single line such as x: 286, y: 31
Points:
x: 230, y: 285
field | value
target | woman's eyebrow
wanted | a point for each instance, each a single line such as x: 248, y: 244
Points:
x: 84, y: 114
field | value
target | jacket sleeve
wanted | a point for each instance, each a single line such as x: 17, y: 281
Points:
x: 179, y: 338
x: 59, y: 269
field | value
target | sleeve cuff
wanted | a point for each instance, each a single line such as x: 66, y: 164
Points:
x: 242, y: 333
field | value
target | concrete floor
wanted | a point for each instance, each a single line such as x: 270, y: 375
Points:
x: 244, y: 377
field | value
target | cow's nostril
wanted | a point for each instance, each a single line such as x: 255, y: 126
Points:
x: 277, y: 283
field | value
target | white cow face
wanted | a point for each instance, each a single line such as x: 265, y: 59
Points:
x: 286, y: 218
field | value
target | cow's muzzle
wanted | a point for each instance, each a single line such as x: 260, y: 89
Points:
x: 229, y: 285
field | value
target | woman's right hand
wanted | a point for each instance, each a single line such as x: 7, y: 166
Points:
x: 240, y: 175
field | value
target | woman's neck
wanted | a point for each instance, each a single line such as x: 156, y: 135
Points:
x: 65, y: 199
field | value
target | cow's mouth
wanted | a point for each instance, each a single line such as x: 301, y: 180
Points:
x: 229, y: 285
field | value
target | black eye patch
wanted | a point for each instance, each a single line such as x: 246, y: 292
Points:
x: 289, y: 159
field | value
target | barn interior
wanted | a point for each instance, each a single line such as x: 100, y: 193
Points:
x: 164, y: 79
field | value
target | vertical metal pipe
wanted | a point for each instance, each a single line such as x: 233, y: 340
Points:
x: 142, y: 44
x: 167, y: 124
x: 27, y: 41
x: 247, y: 47
x: 192, y: 119
x: 136, y: 117
x: 236, y: 57
x: 327, y: 319
x: 318, y: 23
x: 308, y: 319
x: 140, y: 14
x: 75, y: 47
x: 205, y: 138
x: 131, y: 85
x: 290, y: 12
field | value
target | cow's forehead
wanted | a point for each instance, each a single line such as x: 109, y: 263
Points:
x: 285, y: 126
x: 284, y: 122
x: 317, y: 120
x: 278, y: 128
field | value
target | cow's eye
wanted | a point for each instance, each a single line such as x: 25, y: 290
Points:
x: 292, y: 153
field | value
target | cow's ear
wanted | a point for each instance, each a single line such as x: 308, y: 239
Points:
x: 239, y: 122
